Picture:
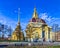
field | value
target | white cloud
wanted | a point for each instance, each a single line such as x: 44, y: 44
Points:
x: 2, y: 19
x: 7, y: 21
x: 49, y: 19
x: 23, y: 26
x: 45, y: 16
x: 10, y: 22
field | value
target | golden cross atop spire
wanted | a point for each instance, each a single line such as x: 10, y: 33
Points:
x: 35, y: 13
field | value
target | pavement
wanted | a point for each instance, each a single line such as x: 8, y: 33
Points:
x: 29, y: 43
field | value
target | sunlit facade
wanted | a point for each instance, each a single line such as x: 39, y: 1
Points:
x: 37, y: 29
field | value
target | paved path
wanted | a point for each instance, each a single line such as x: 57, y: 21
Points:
x: 27, y: 43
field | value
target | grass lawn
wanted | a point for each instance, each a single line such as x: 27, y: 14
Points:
x: 33, y: 47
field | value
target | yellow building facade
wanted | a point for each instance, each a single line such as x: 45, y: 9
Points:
x: 52, y: 36
x: 37, y: 29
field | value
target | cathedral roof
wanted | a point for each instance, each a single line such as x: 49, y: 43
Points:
x: 37, y: 20
x: 35, y: 17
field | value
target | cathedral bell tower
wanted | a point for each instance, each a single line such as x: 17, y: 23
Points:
x: 18, y: 34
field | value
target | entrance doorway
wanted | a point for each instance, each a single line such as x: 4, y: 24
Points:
x: 43, y: 35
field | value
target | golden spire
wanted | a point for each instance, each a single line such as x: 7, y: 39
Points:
x: 18, y: 25
x: 35, y: 13
x: 18, y: 16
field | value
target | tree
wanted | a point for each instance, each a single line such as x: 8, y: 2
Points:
x: 1, y: 29
x: 5, y: 31
x: 9, y: 31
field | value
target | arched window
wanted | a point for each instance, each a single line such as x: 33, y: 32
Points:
x: 43, y: 34
x: 33, y: 20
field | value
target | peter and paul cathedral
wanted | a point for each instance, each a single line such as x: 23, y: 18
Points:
x: 37, y: 29
x: 18, y: 34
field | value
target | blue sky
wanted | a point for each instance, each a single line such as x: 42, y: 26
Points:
x: 49, y: 10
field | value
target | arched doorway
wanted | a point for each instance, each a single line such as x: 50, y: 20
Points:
x: 43, y: 35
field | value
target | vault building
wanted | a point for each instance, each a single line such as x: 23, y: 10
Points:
x: 37, y: 29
